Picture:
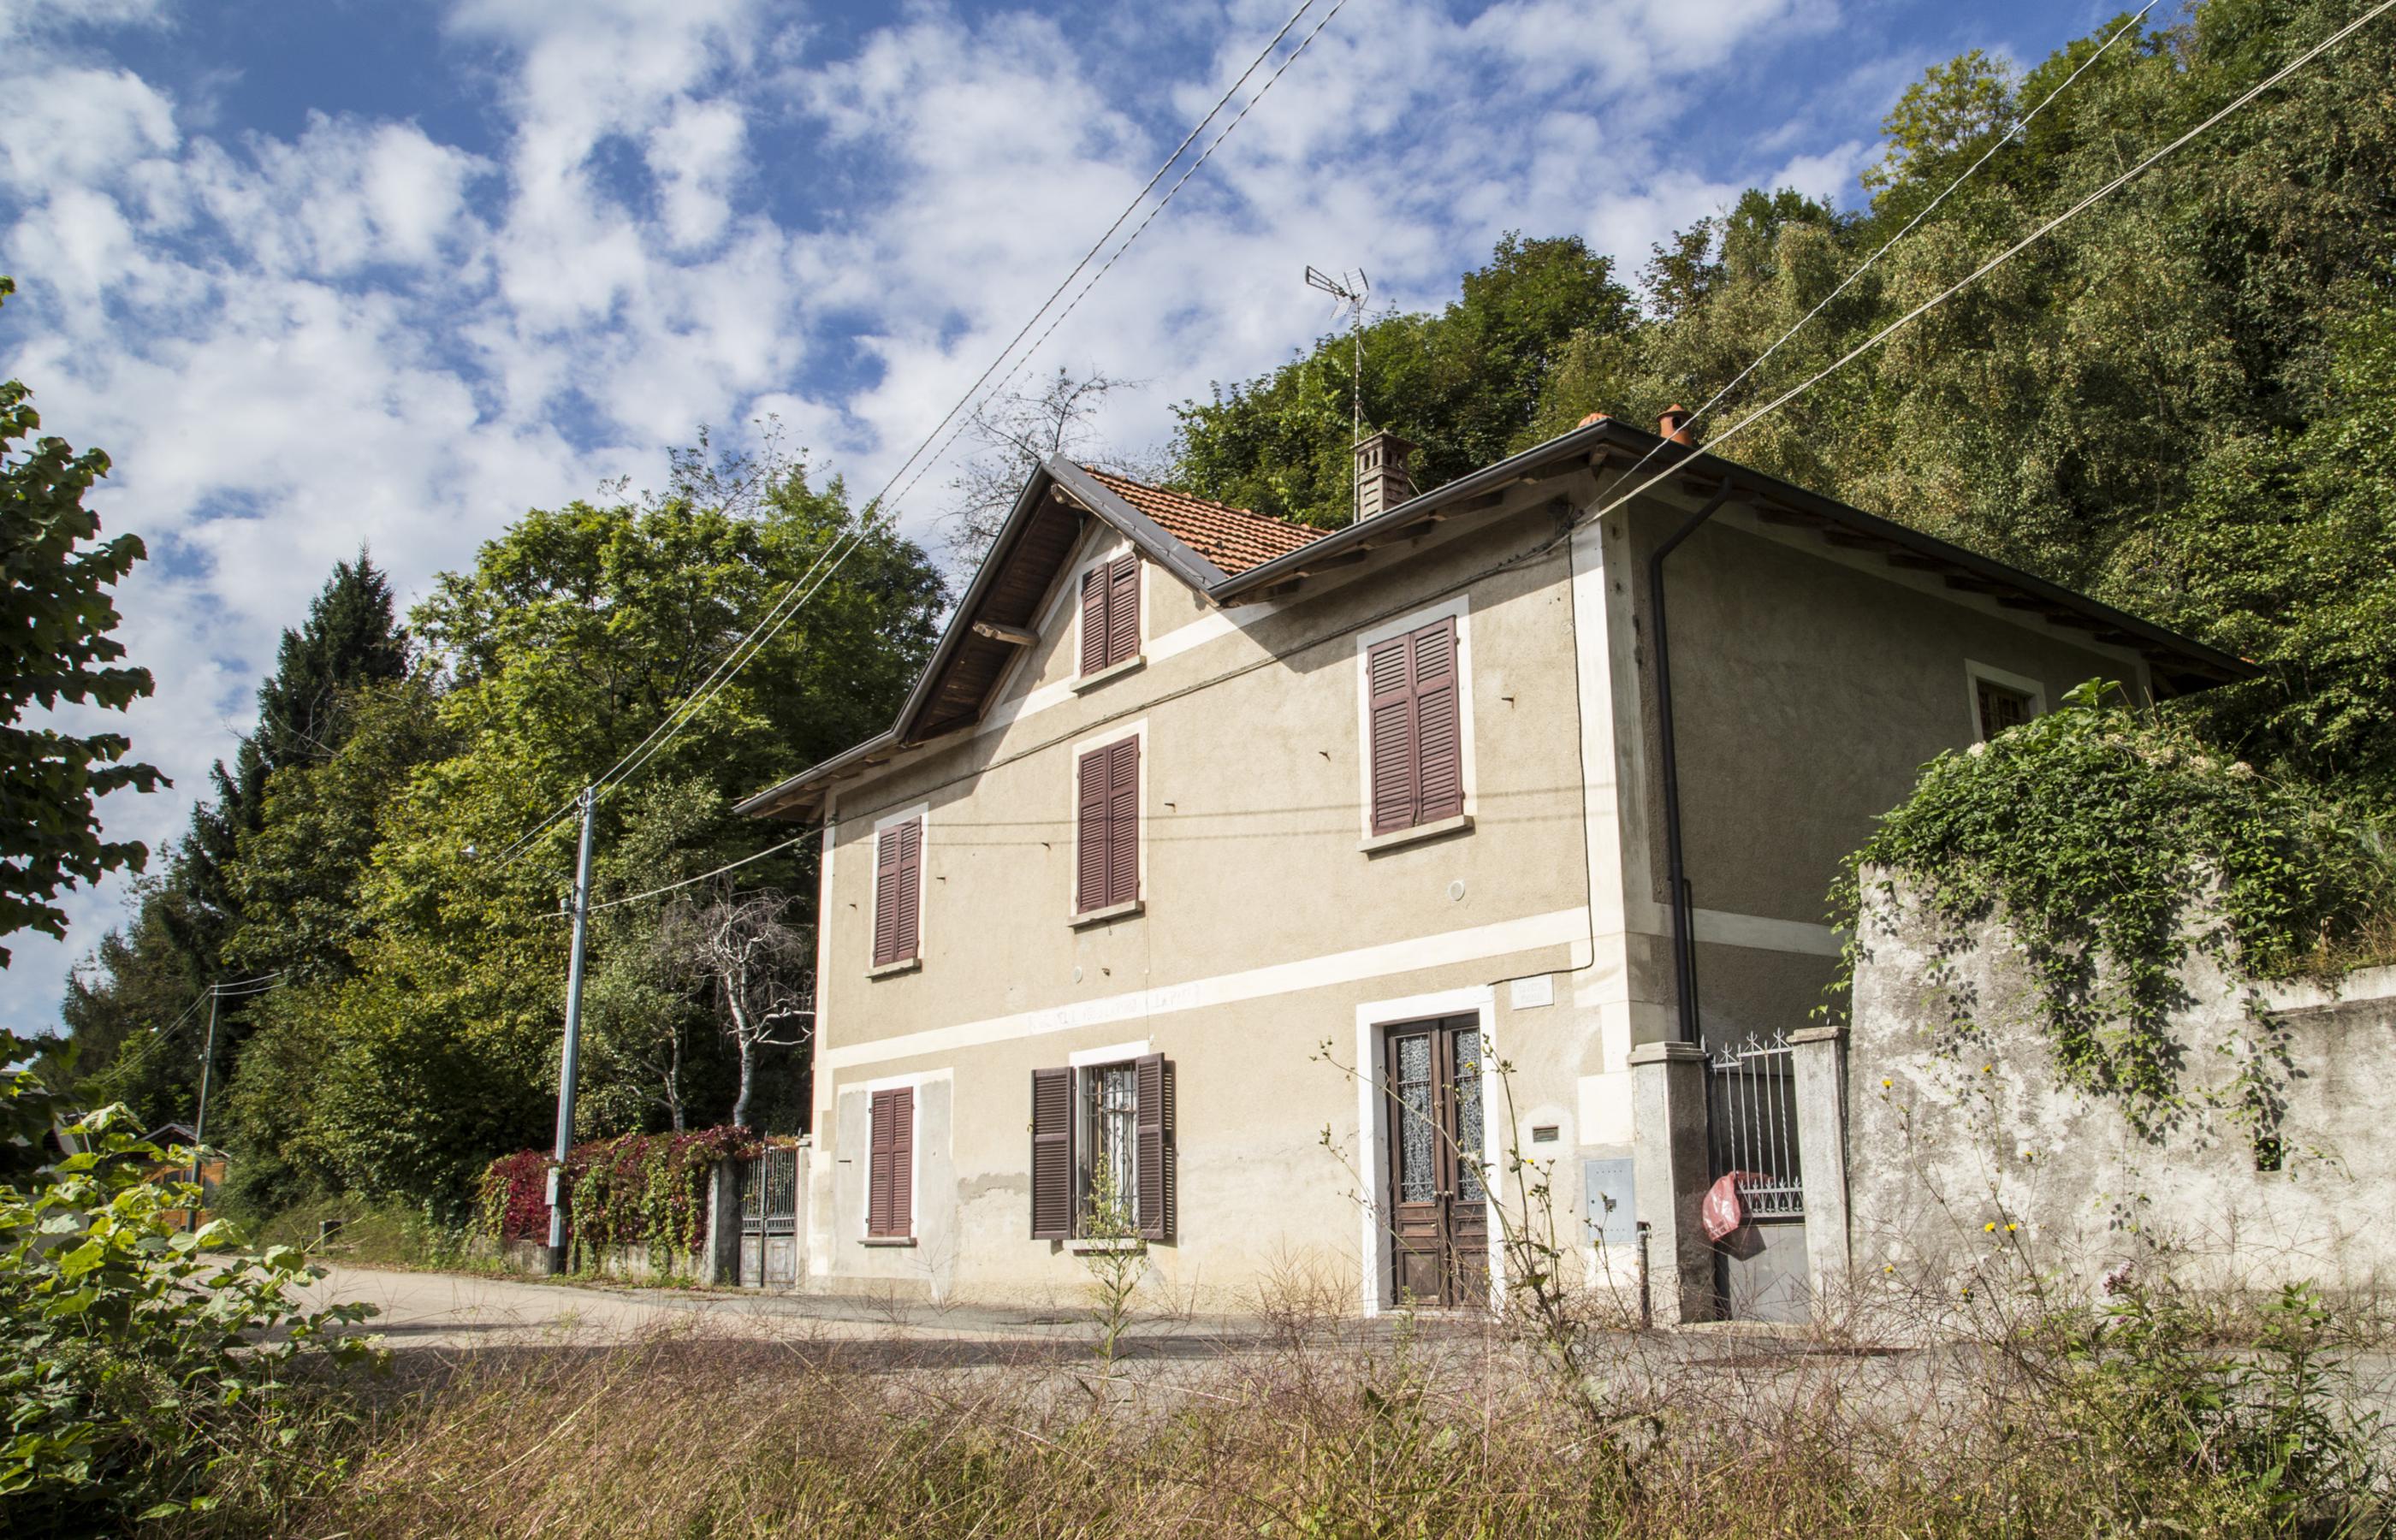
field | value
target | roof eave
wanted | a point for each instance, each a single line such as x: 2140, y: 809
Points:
x: 1161, y: 544
x: 1612, y: 435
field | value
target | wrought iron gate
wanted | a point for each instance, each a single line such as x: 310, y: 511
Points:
x: 769, y: 1215
x: 1751, y: 1128
x: 1751, y: 1114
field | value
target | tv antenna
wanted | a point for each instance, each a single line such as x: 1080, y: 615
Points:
x: 1351, y: 292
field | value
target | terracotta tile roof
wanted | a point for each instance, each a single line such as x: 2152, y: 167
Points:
x: 1233, y: 538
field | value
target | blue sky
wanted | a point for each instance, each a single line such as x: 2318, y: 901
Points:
x: 325, y: 272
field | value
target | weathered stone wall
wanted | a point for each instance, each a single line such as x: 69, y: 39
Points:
x: 1970, y: 1160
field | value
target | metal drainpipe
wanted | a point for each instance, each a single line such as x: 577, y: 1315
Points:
x: 1684, y: 951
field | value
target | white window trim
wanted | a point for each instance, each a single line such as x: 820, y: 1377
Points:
x: 1090, y: 1058
x: 1373, y: 1019
x: 1458, y: 608
x: 881, y: 826
x: 914, y: 1083
x: 1074, y: 818
x: 1973, y: 672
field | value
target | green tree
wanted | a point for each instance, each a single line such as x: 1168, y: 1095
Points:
x: 56, y: 618
x: 573, y: 635
x: 179, y: 933
x: 1464, y: 385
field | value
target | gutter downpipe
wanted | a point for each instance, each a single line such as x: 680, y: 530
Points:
x: 1684, y: 951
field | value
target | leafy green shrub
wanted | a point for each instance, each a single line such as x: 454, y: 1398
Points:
x: 136, y: 1358
x: 2095, y: 830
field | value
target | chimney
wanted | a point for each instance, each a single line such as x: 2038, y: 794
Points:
x: 1674, y: 425
x: 1381, y: 479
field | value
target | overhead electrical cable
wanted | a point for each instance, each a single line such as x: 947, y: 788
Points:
x: 2001, y: 259
x: 1304, y: 44
x: 801, y: 588
x: 729, y: 866
x: 1999, y: 142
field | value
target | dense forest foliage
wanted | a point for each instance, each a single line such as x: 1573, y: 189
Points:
x: 2181, y: 402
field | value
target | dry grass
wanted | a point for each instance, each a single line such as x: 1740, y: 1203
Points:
x: 1311, y: 1426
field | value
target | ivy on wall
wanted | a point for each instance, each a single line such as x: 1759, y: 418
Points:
x: 2114, y: 845
x: 642, y: 1190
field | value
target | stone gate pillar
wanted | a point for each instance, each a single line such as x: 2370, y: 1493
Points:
x: 1818, y: 1059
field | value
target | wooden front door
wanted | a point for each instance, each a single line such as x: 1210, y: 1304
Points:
x: 1439, y: 1243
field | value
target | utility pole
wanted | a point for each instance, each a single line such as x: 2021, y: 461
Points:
x: 567, y: 1061
x: 200, y: 1119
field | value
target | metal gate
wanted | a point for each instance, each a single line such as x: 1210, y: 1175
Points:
x: 1752, y: 1125
x: 769, y: 1215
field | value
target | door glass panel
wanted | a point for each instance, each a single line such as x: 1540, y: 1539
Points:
x: 1417, y: 1139
x: 1468, y: 1116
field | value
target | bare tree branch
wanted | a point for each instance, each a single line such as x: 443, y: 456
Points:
x: 1014, y: 433
x: 758, y: 966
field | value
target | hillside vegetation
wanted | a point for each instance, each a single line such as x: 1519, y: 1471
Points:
x: 2181, y: 402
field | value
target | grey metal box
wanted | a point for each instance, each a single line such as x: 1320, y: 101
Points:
x: 1607, y: 1206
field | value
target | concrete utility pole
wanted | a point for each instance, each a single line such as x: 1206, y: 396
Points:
x: 568, y: 1060
x: 200, y: 1119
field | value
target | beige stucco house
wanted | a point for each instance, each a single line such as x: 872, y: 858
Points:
x: 1233, y: 859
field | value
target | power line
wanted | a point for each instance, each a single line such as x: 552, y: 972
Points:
x: 1911, y: 225
x: 778, y: 616
x: 729, y: 866
x: 2002, y: 258
x: 1295, y: 53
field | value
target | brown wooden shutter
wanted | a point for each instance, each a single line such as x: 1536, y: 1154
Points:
x: 878, y: 1174
x: 902, y: 1160
x: 1123, y: 822
x: 1439, y: 745
x: 898, y: 892
x: 1390, y: 676
x: 1122, y: 609
x: 1093, y: 859
x: 1094, y: 619
x: 1052, y: 1154
x: 910, y: 889
x: 1153, y: 1176
x: 885, y: 898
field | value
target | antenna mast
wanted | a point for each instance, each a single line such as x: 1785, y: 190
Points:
x: 1351, y: 292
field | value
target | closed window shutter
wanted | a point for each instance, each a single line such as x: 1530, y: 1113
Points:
x: 898, y: 892
x: 878, y: 1174
x: 887, y: 864
x: 1153, y: 1167
x: 1093, y: 862
x: 1389, y: 677
x: 1439, y: 746
x: 1123, y: 822
x: 1094, y: 619
x: 1052, y: 1154
x: 910, y: 889
x: 1122, y: 609
x: 902, y: 1160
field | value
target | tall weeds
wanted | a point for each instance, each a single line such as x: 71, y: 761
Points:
x: 2125, y: 1420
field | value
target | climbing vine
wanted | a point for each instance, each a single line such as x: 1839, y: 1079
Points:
x: 642, y: 1190
x: 2114, y: 845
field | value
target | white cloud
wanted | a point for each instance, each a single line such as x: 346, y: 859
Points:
x: 364, y: 333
